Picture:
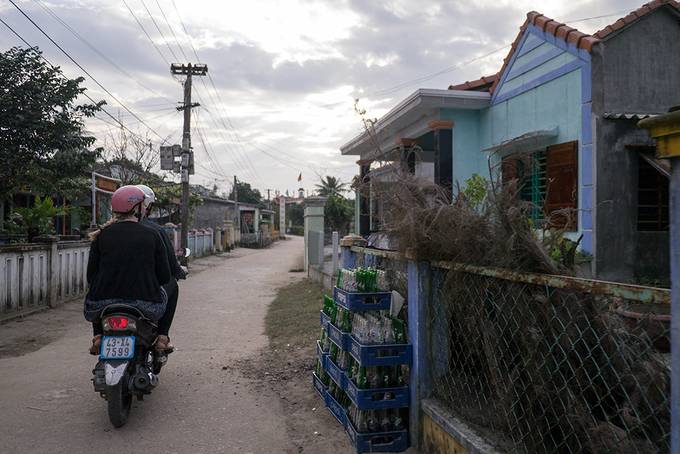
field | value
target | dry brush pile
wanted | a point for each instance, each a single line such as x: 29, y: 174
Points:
x: 552, y: 370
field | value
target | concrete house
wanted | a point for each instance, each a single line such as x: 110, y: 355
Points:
x: 569, y: 101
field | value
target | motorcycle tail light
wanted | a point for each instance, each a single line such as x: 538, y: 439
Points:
x: 118, y: 323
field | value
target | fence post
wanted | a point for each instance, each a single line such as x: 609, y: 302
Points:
x: 675, y: 303
x: 666, y: 130
x: 314, y: 222
x: 52, y: 270
x: 419, y: 279
x: 334, y: 259
x: 349, y: 258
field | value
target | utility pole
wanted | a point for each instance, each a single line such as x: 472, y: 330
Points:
x: 238, y: 213
x: 269, y: 203
x: 186, y: 163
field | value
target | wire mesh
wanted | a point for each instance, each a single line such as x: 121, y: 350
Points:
x: 538, y: 369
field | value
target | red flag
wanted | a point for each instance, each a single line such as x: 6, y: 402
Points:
x: 300, y: 177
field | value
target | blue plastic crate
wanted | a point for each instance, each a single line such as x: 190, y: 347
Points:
x: 377, y: 441
x: 325, y: 320
x: 341, y: 338
x: 371, y: 399
x: 336, y: 409
x: 380, y: 354
x: 319, y: 386
x: 357, y: 302
x: 336, y: 374
x: 320, y: 353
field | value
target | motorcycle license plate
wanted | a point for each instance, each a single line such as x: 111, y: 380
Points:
x: 117, y: 347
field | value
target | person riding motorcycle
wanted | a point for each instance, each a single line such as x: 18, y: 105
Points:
x: 177, y: 271
x: 127, y: 263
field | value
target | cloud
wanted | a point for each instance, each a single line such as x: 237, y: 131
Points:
x: 286, y: 73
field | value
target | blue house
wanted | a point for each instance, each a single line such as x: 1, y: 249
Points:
x: 560, y: 116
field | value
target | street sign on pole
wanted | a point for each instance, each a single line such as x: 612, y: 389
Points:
x: 167, y: 158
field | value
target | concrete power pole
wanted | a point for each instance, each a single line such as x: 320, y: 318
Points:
x: 238, y: 213
x: 186, y: 166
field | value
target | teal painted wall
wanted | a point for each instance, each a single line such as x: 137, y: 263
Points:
x: 467, y: 156
x: 554, y: 104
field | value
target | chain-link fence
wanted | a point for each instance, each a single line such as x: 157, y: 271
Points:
x: 540, y: 369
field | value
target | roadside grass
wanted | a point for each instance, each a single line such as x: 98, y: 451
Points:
x: 292, y: 320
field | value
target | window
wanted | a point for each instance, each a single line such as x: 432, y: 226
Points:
x: 652, y: 208
x: 548, y: 179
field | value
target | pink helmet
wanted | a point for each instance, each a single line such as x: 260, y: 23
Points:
x: 126, y: 199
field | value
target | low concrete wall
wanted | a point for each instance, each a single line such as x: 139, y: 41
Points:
x: 40, y: 275
x: 443, y: 433
x: 321, y: 275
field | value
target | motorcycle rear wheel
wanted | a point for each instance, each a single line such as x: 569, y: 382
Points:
x: 119, y: 403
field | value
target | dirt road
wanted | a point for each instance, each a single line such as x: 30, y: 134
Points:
x: 204, y: 403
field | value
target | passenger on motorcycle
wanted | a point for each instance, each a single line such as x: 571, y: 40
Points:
x: 127, y: 264
x: 177, y: 271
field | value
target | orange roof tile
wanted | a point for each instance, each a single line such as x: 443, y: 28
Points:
x: 481, y: 84
x: 565, y: 33
x: 635, y: 15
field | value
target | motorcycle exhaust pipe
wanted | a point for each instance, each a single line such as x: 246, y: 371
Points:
x: 145, y: 381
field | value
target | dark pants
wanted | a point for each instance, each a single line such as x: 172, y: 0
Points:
x: 164, y: 323
x: 172, y: 289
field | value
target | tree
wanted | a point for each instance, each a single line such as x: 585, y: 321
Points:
x: 331, y: 186
x: 246, y: 193
x: 43, y: 145
x: 338, y: 214
x: 130, y: 157
x: 295, y: 214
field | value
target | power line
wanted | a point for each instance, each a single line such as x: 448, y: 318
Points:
x: 172, y: 30
x: 83, y: 69
x: 83, y: 93
x: 159, y: 31
x: 238, y: 158
x: 97, y: 51
x: 205, y: 148
x: 218, y: 105
x: 146, y: 33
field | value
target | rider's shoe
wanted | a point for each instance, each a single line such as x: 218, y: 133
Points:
x: 163, y: 344
x: 96, y: 344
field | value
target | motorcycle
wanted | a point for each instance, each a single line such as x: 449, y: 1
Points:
x: 128, y: 363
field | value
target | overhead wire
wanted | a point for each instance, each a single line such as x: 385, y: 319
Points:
x: 219, y: 105
x: 207, y: 150
x: 159, y: 30
x: 114, y: 97
x: 172, y: 30
x: 153, y: 43
x: 82, y: 39
x: 108, y: 114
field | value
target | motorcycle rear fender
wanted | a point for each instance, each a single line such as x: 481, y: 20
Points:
x: 114, y: 371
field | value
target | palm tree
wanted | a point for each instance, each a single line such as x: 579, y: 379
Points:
x: 331, y: 186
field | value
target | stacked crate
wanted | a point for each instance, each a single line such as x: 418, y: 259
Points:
x: 375, y: 418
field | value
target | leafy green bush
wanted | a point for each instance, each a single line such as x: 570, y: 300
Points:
x: 297, y: 230
x: 35, y: 220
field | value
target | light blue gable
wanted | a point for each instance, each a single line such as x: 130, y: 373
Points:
x: 545, y: 86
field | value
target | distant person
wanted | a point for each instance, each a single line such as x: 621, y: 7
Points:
x: 176, y: 270
x: 127, y: 265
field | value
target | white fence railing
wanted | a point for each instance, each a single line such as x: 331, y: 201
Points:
x: 39, y: 275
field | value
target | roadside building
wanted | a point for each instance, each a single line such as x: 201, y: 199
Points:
x: 560, y: 116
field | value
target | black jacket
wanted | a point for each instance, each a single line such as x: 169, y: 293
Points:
x: 175, y: 267
x: 127, y: 261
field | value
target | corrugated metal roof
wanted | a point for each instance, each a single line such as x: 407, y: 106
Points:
x: 627, y: 115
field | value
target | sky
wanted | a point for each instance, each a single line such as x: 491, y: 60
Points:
x: 284, y: 75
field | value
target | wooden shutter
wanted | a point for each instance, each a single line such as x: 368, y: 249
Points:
x: 562, y: 187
